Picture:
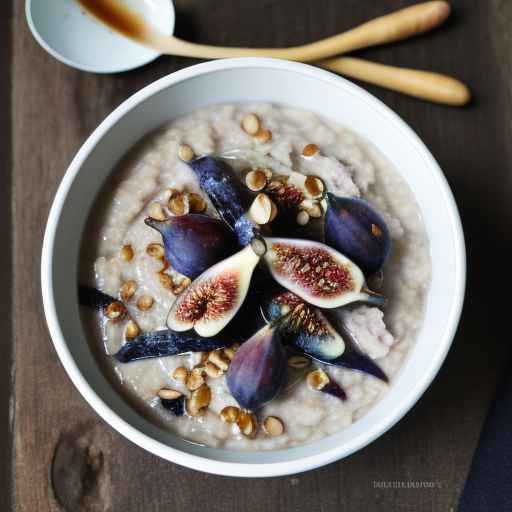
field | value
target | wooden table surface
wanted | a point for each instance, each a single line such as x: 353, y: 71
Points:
x: 59, y: 455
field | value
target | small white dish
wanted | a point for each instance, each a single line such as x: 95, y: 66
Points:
x: 77, y: 39
x: 252, y: 80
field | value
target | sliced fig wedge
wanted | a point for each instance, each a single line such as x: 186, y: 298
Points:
x: 258, y: 371
x: 313, y: 333
x: 194, y: 242
x: 228, y: 194
x: 320, y: 381
x: 168, y: 343
x: 334, y: 389
x: 357, y: 230
x: 354, y: 359
x: 316, y: 273
x: 93, y: 298
x: 306, y: 325
x: 214, y: 298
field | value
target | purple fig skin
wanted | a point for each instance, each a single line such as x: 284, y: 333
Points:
x: 166, y: 342
x: 93, y: 298
x: 318, y: 339
x: 258, y: 371
x: 169, y: 343
x: 176, y: 406
x: 194, y: 242
x: 354, y: 359
x: 314, y: 345
x: 228, y: 194
x: 334, y: 389
x: 355, y: 229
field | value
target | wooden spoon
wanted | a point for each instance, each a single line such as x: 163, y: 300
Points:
x: 396, y: 26
x: 385, y: 29
x: 425, y: 85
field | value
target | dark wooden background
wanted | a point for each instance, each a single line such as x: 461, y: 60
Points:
x: 58, y: 455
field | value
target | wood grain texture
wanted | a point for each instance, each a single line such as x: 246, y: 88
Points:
x: 5, y: 254
x: 66, y: 458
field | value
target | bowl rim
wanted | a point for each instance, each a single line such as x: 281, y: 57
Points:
x: 206, y: 464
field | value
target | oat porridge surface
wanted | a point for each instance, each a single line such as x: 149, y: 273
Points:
x: 349, y: 166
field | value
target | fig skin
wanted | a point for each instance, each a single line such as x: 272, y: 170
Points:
x: 334, y: 389
x: 176, y: 406
x: 354, y: 359
x: 194, y: 242
x: 212, y: 300
x: 355, y: 229
x: 92, y: 298
x: 324, y: 347
x: 257, y: 373
x: 311, y: 331
x: 228, y: 195
x: 169, y: 343
x: 317, y: 273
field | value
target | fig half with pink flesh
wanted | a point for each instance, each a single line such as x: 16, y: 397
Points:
x: 214, y: 298
x: 317, y: 273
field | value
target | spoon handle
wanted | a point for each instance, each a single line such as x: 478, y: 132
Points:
x: 396, y: 26
x: 429, y: 86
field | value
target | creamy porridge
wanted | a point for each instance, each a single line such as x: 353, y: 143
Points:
x: 277, y: 154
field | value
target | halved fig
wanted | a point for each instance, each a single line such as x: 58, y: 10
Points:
x: 310, y: 330
x: 354, y: 228
x: 317, y: 273
x: 227, y: 193
x: 214, y: 298
x: 258, y: 371
x: 194, y: 242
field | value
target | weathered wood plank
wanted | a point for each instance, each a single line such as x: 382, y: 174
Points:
x: 5, y: 254
x: 54, y: 108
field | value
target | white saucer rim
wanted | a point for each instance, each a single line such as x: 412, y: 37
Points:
x: 104, y: 71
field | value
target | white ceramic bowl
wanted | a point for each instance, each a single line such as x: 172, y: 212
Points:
x: 240, y: 80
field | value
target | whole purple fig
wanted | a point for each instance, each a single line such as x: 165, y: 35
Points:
x: 194, y: 242
x: 258, y: 371
x: 355, y: 229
